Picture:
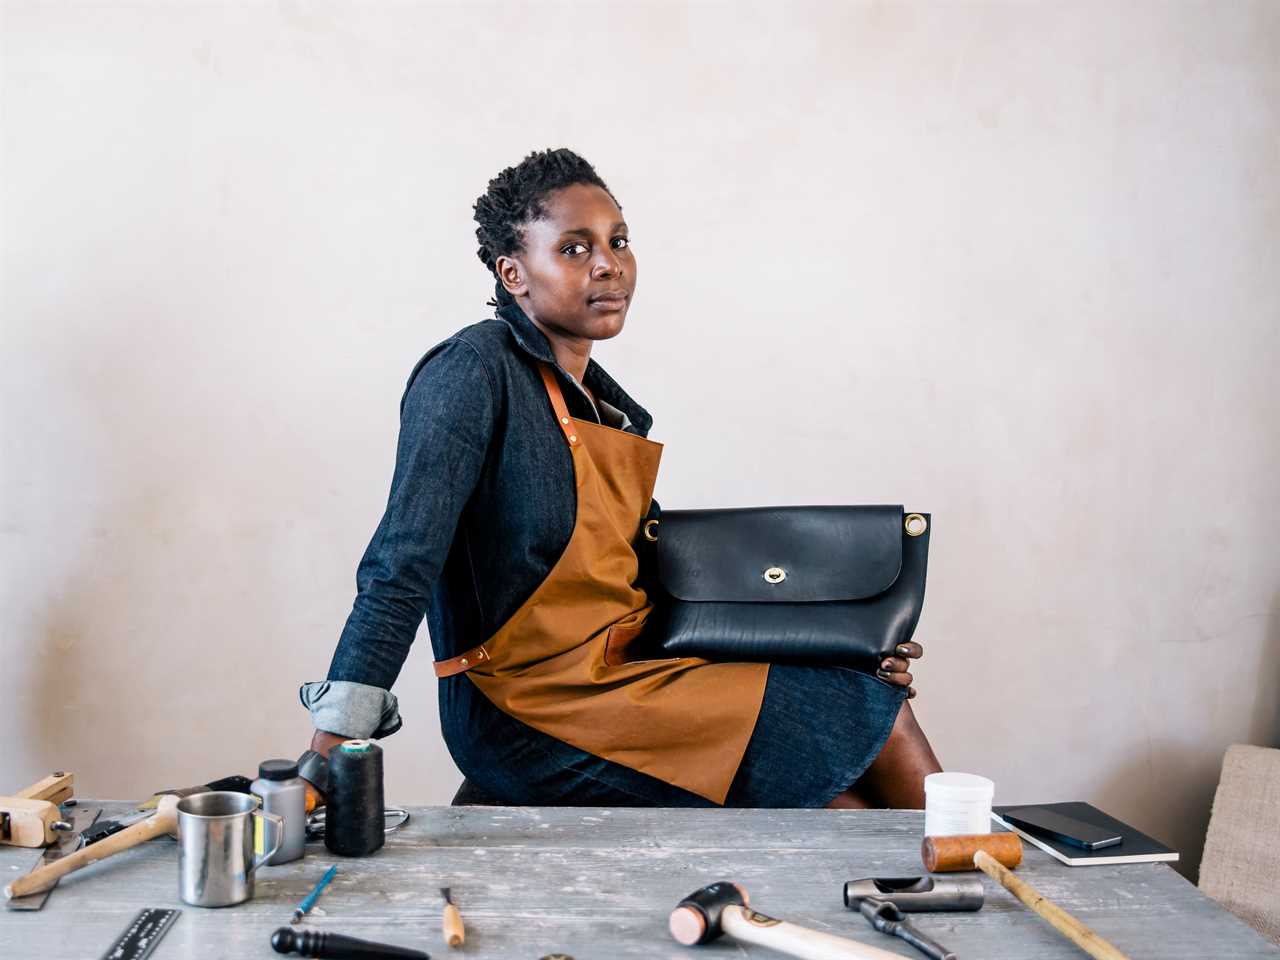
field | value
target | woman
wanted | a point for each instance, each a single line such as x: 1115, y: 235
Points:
x: 522, y: 477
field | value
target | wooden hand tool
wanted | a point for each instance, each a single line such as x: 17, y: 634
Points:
x: 27, y: 818
x: 454, y: 933
x: 948, y: 854
x: 1067, y: 925
x: 993, y: 854
x: 164, y: 820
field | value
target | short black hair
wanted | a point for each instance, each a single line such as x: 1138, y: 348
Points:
x: 516, y: 195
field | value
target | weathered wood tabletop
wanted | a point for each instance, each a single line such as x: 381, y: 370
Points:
x: 599, y: 883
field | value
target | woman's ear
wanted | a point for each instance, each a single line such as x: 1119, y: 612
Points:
x: 511, y: 275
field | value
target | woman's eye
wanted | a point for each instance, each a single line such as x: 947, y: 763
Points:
x: 619, y: 244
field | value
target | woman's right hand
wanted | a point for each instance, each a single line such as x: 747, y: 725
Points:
x: 895, y: 670
x: 322, y: 741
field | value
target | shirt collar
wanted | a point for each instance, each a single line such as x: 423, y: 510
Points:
x: 535, y: 343
x: 530, y: 339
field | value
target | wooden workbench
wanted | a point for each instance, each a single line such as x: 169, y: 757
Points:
x: 599, y: 883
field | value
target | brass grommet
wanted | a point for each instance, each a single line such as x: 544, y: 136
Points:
x: 565, y: 421
x: 649, y: 527
x: 775, y: 575
x: 464, y: 661
x: 915, y: 524
x: 573, y: 438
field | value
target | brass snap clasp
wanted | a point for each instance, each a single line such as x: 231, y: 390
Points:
x: 775, y: 575
x: 915, y: 524
x: 650, y: 531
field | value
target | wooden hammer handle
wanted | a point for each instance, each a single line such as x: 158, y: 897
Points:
x: 746, y: 925
x: 1054, y: 915
x: 164, y: 820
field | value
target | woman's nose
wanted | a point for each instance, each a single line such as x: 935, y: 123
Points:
x: 606, y: 263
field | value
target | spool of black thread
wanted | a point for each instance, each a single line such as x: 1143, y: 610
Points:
x: 353, y: 819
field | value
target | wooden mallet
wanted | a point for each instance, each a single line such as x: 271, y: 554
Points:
x: 164, y: 820
x: 994, y: 854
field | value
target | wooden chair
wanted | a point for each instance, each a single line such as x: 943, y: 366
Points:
x: 1240, y: 868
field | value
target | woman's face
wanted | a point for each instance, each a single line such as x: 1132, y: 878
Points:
x: 577, y: 274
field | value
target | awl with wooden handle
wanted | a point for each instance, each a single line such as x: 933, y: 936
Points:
x: 454, y: 933
x: 164, y: 820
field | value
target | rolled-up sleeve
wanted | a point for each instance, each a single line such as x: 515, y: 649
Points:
x: 446, y: 422
x: 353, y: 710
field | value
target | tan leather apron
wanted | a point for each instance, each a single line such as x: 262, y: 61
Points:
x: 559, y: 663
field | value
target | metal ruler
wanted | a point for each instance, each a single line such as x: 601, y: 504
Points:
x: 141, y: 936
x: 81, y: 820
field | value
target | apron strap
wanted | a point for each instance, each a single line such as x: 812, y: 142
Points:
x: 557, y: 403
x: 461, y: 663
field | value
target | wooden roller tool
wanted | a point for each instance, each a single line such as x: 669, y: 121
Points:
x: 164, y: 820
x: 28, y: 817
x: 994, y: 854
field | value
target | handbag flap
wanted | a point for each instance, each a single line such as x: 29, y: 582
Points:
x: 772, y: 554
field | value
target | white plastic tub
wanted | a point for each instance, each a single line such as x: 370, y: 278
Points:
x: 957, y: 804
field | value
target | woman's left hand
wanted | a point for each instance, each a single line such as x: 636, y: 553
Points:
x: 895, y: 670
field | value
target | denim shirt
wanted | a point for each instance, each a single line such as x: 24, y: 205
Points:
x: 483, y: 501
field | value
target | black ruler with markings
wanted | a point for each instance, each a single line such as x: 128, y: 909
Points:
x: 142, y: 935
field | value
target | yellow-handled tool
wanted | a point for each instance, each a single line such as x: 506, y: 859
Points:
x: 454, y: 933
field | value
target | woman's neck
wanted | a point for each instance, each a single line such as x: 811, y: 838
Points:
x: 572, y: 353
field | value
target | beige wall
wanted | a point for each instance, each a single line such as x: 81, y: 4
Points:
x: 1012, y: 264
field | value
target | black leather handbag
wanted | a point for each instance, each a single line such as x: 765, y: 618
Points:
x: 829, y: 586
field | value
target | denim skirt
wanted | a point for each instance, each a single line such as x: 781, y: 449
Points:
x: 819, y: 729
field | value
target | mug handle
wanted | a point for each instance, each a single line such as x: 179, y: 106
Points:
x: 272, y: 824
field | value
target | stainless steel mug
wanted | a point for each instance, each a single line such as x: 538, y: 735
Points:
x: 216, y: 855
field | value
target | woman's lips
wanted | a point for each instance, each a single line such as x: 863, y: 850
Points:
x: 609, y: 303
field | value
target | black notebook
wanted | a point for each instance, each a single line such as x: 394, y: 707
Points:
x: 1134, y: 847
